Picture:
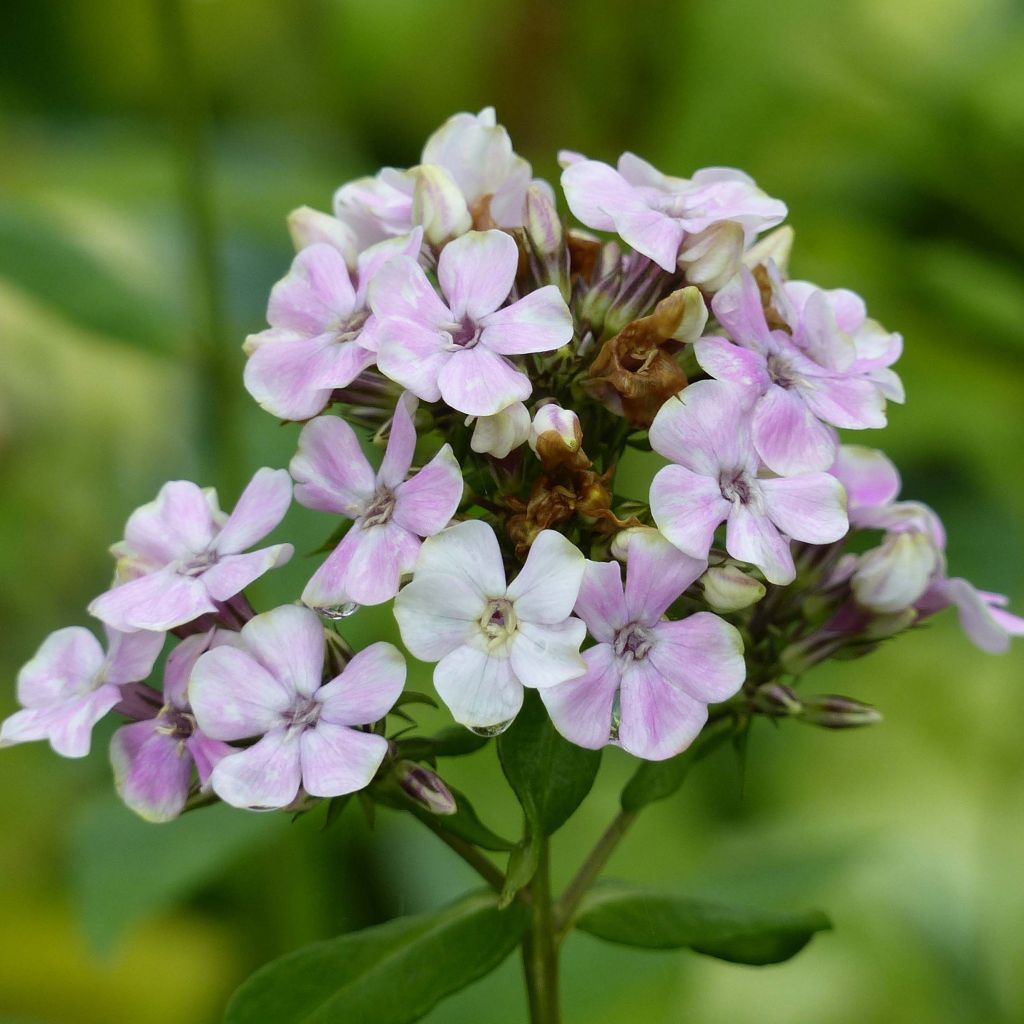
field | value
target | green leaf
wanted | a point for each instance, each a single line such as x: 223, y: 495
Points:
x: 522, y: 866
x: 126, y: 869
x: 548, y: 774
x: 652, y: 920
x: 392, y: 973
x: 656, y: 780
x: 415, y: 697
x: 453, y: 741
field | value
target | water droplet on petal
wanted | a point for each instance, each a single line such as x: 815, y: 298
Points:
x: 613, y: 732
x: 339, y: 611
x: 489, y: 730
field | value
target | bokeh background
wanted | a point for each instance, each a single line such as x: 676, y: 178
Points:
x: 150, y: 151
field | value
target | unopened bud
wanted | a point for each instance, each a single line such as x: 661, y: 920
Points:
x: 832, y: 712
x: 543, y: 225
x: 308, y: 227
x: 425, y: 787
x: 728, y: 588
x: 775, y: 246
x: 438, y: 205
x: 712, y: 256
x: 777, y: 700
x: 622, y: 540
x: 682, y: 315
x: 891, y: 577
x: 563, y: 423
x: 501, y: 432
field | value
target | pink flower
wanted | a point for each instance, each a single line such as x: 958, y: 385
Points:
x: 153, y: 757
x: 648, y: 680
x: 705, y: 431
x: 71, y: 684
x: 800, y: 385
x: 490, y: 638
x: 654, y: 212
x: 321, y: 332
x: 181, y: 555
x: 458, y: 349
x: 391, y: 514
x: 983, y: 615
x: 269, y: 686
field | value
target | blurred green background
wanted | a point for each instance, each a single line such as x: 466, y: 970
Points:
x: 150, y: 152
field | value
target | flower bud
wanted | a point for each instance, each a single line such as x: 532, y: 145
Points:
x: 832, y: 712
x: 712, y: 256
x: 500, y: 433
x: 727, y: 588
x: 425, y: 787
x: 894, y: 575
x: 308, y: 227
x: 775, y: 246
x: 777, y: 700
x: 564, y: 423
x: 438, y: 205
x: 549, y: 256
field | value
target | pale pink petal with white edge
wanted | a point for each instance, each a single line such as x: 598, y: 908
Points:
x: 688, y: 508
x: 481, y: 692
x: 546, y: 655
x: 425, y: 504
x: 581, y: 709
x: 267, y: 774
x: 330, y: 470
x: 538, y: 322
x: 289, y: 643
x: 261, y: 507
x: 480, y: 382
x: 316, y: 294
x: 601, y: 602
x: 701, y: 654
x: 657, y: 719
x: 366, y: 689
x: 476, y: 272
x: 65, y: 660
x: 549, y: 582
x: 336, y: 760
x: 752, y: 537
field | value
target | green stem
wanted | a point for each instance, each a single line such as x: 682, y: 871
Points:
x: 469, y: 853
x: 590, y: 869
x: 540, y: 948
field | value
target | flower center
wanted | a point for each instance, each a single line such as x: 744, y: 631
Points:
x: 633, y: 641
x: 498, y: 622
x: 736, y: 486
x: 380, y: 509
x: 175, y: 722
x: 781, y: 372
x: 460, y: 334
x: 350, y: 328
x: 198, y: 565
x: 304, y: 713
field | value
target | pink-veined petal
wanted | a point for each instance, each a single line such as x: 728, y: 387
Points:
x: 595, y: 192
x: 701, y: 654
x: 130, y: 656
x: 425, y: 504
x: 657, y: 719
x: 65, y: 659
x: 538, y: 322
x: 206, y: 754
x: 436, y: 613
x: 688, y: 508
x: 261, y: 506
x: 549, y: 582
x: 601, y: 602
x: 331, y: 472
x: 581, y: 709
x: 732, y: 363
x: 476, y: 272
x: 316, y: 293
x: 411, y: 355
x: 152, y: 770
x: 367, y: 688
x: 338, y: 760
x: 788, y: 436
x: 810, y: 507
x: 400, y: 288
x: 868, y: 476
x: 657, y: 572
x: 652, y: 233
x: 267, y: 774
x: 233, y: 573
x: 67, y: 725
x: 234, y: 697
x: 546, y: 655
x: 178, y: 523
x: 372, y: 259
x: 289, y: 643
x: 481, y: 692
x: 737, y: 305
x: 179, y: 665
x: 480, y: 382
x: 159, y: 601
x: 852, y: 403
x: 752, y: 537
x: 401, y: 443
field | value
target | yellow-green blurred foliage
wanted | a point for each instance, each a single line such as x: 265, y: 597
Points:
x: 895, y: 131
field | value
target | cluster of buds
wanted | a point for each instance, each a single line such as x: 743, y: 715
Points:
x: 507, y: 363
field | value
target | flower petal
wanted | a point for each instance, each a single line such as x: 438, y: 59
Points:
x: 538, y: 322
x: 178, y: 523
x: 688, y: 508
x: 652, y: 233
x: 338, y: 760
x: 470, y: 552
x: 67, y: 725
x: 267, y: 774
x: 601, y: 602
x: 436, y: 613
x: 65, y: 659
x: 738, y: 309
x: 400, y: 288
x: 701, y: 654
x: 810, y: 507
x: 853, y: 403
x: 546, y: 655
x: 481, y: 692
x: 401, y: 443
x: 868, y: 476
x: 289, y: 643
x: 234, y: 697
x: 657, y: 719
x: 476, y: 272
x: 549, y: 583
x: 657, y: 572
x: 425, y: 504
x: 331, y: 472
x: 412, y: 355
x: 733, y: 363
x: 315, y: 295
x: 480, y: 382
x: 152, y: 770
x: 581, y: 709
x: 366, y: 568
x: 752, y: 537
x: 233, y: 573
x: 595, y: 192
x: 261, y: 506
x: 159, y: 601
x: 131, y: 656
x: 788, y: 436
x: 366, y: 689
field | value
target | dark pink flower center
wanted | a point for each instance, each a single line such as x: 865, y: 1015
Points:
x: 349, y: 329
x: 175, y: 722
x: 781, y: 372
x: 380, y: 509
x: 198, y: 565
x: 304, y: 713
x: 736, y: 486
x: 633, y: 641
x: 462, y: 334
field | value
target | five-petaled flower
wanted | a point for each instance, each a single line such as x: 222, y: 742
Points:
x: 310, y: 735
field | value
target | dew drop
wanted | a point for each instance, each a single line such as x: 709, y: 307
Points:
x: 613, y: 732
x: 339, y: 611
x: 489, y: 730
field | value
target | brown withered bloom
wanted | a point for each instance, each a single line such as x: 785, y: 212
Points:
x: 636, y: 371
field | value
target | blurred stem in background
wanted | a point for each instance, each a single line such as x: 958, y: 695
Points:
x: 215, y: 375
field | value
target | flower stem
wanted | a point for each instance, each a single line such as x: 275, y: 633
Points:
x: 470, y: 854
x: 540, y: 948
x: 590, y: 869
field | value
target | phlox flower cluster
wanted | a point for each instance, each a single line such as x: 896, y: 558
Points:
x: 469, y: 371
